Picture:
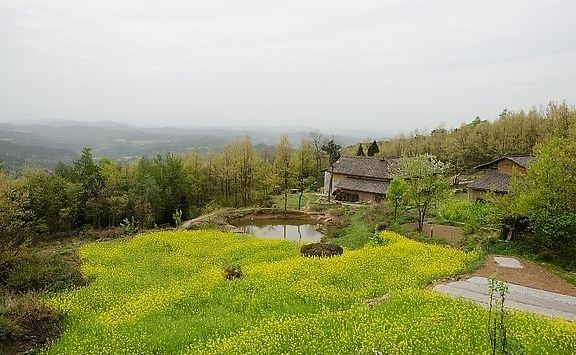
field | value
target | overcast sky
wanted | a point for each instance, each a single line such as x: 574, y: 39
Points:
x: 376, y: 65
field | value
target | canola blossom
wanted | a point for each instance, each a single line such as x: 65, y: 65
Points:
x: 164, y: 293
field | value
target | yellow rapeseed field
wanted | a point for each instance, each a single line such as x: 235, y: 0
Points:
x: 165, y: 293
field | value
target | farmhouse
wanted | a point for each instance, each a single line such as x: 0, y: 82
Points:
x: 359, y: 179
x: 497, y: 176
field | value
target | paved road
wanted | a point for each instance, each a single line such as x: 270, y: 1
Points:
x: 519, y: 297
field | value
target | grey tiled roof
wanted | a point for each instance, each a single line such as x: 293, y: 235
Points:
x: 369, y: 167
x: 521, y: 160
x: 353, y: 184
x: 491, y: 181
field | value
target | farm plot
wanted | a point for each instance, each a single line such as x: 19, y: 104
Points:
x: 165, y: 293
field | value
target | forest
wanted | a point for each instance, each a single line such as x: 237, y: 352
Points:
x: 479, y: 141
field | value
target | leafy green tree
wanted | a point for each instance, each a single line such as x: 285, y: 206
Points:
x: 305, y: 168
x: 172, y: 180
x: 247, y: 160
x: 427, y: 185
x: 88, y: 174
x: 14, y: 213
x: 333, y: 150
x: 373, y: 149
x: 283, y: 168
x: 55, y: 202
x: 547, y: 196
x: 396, y: 195
x: 360, y: 151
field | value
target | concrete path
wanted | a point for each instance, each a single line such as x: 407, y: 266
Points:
x: 519, y: 297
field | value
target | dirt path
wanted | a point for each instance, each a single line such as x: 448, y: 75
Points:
x: 449, y: 234
x: 531, y: 275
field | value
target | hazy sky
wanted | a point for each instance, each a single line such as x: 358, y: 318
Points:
x: 373, y: 65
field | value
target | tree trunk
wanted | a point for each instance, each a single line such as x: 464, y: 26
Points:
x: 420, y: 221
x: 285, y: 201
x: 300, y: 199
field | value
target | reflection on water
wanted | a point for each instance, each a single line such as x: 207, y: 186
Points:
x: 285, y: 229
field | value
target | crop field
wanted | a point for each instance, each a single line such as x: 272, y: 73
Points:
x: 165, y: 293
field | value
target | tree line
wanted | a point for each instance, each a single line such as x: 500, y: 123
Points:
x: 102, y: 193
x: 480, y: 141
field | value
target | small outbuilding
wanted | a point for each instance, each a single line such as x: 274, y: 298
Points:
x: 497, y: 176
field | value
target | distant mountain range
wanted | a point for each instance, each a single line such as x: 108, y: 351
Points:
x: 44, y: 144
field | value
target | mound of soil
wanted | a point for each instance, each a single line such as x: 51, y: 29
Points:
x: 233, y: 273
x: 321, y: 250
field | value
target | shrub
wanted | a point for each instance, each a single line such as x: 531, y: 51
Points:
x: 177, y: 217
x: 129, y: 226
x: 233, y: 269
x: 8, y: 330
x: 26, y: 271
x: 24, y: 320
x: 555, y: 231
x: 474, y: 215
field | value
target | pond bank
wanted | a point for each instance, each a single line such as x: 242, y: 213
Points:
x: 227, y: 219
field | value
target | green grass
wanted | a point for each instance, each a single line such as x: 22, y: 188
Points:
x: 164, y: 293
x: 357, y: 232
x: 307, y: 198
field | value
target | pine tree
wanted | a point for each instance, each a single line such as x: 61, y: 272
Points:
x: 360, y: 151
x: 373, y: 149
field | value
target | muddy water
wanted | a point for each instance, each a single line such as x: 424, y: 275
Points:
x: 295, y: 230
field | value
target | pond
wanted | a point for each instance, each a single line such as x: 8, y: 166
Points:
x: 289, y: 229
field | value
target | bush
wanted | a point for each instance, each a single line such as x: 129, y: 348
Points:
x: 106, y: 233
x: 555, y: 231
x: 129, y: 226
x: 8, y: 330
x: 474, y: 215
x: 25, y: 271
x: 233, y: 269
x: 26, y: 322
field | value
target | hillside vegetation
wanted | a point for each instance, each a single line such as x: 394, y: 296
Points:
x: 165, y: 292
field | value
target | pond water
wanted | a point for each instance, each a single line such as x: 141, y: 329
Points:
x: 288, y: 229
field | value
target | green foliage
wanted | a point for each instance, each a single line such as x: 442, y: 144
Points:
x: 27, y: 271
x: 373, y: 149
x: 8, y: 330
x: 357, y: 231
x: 360, y: 151
x: 283, y: 167
x: 232, y: 268
x: 14, y: 213
x: 26, y: 323
x: 333, y: 150
x: 427, y: 185
x: 54, y: 200
x: 547, y: 196
x: 129, y: 226
x: 479, y: 141
x: 474, y: 215
x: 177, y: 217
x: 497, y: 290
x: 397, y: 195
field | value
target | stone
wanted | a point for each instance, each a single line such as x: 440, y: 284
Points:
x: 508, y: 262
x: 321, y: 250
